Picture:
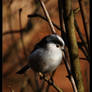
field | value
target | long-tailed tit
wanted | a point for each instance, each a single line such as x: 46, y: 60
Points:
x: 46, y: 56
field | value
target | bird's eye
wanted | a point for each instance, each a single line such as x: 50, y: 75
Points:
x: 57, y: 45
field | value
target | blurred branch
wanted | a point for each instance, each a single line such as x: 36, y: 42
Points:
x: 72, y: 44
x: 42, y: 86
x: 11, y: 32
x: 32, y: 84
x: 21, y: 33
x: 77, y: 10
x: 84, y: 20
x: 11, y: 90
x: 25, y: 29
x: 63, y: 34
x: 47, y: 15
x: 80, y: 35
x: 60, y: 6
x: 62, y: 26
x: 80, y: 45
x: 23, y: 87
x: 47, y: 88
x: 70, y: 76
x: 42, y: 17
x: 33, y: 16
x: 50, y: 82
x: 83, y: 50
x: 81, y: 58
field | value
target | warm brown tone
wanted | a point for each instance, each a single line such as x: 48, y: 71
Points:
x: 13, y: 53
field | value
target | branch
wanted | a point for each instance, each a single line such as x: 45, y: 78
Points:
x: 60, y: 6
x: 53, y: 31
x: 42, y: 17
x: 80, y: 35
x: 70, y: 76
x: 84, y: 21
x: 76, y: 10
x: 50, y: 82
x: 10, y: 32
x: 21, y: 33
x: 48, y: 17
x: 72, y: 44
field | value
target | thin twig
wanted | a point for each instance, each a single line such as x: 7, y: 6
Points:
x: 84, y: 22
x: 21, y: 33
x: 20, y: 25
x: 83, y: 58
x: 80, y: 35
x: 48, y: 17
x: 83, y: 50
x: 62, y: 26
x: 38, y: 15
x: 50, y: 82
x: 42, y: 17
x: 70, y: 76
x: 60, y: 6
x: 77, y: 10
x: 10, y: 32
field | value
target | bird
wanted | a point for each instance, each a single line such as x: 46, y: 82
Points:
x: 46, y: 56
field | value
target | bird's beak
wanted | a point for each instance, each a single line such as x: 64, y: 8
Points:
x: 62, y: 48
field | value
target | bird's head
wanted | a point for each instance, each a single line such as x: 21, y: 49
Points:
x: 56, y: 40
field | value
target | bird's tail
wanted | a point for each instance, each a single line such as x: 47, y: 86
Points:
x: 23, y: 69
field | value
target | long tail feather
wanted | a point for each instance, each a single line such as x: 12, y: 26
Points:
x: 23, y: 69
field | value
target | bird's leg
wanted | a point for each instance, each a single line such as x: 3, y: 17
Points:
x: 50, y: 81
x: 51, y: 78
x: 42, y: 76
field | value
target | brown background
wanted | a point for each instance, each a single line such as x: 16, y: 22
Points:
x: 13, y: 52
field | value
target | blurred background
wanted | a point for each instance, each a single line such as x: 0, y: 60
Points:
x: 20, y: 34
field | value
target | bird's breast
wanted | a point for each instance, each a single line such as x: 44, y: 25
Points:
x: 46, y: 60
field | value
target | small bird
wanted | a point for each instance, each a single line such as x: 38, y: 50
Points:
x: 46, y: 56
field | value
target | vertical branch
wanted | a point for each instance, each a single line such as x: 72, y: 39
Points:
x: 62, y: 27
x: 86, y: 27
x: 48, y: 17
x: 84, y: 21
x: 80, y: 35
x: 69, y: 72
x: 72, y: 44
x: 60, y: 6
x: 54, y: 32
x: 21, y: 33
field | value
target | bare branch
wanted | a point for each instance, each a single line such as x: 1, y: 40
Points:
x: 72, y: 44
x: 50, y: 82
x: 48, y: 17
x: 84, y: 21
x: 70, y: 76
x: 40, y: 16
x: 80, y: 35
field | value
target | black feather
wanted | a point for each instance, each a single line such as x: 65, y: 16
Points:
x: 50, y: 38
